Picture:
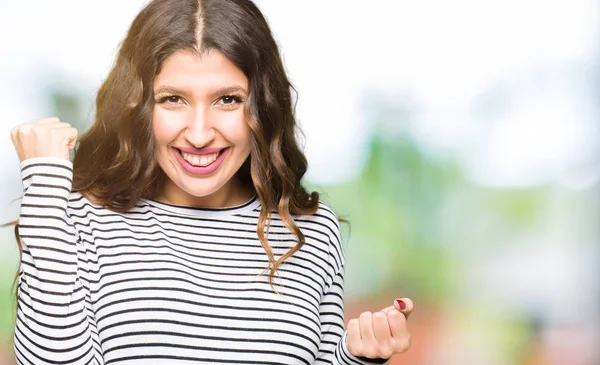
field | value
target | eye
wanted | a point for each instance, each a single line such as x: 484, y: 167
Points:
x: 170, y: 99
x: 230, y: 101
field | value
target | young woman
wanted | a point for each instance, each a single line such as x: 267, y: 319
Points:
x: 181, y: 232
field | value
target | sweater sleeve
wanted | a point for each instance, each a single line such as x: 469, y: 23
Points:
x: 333, y: 349
x: 55, y: 323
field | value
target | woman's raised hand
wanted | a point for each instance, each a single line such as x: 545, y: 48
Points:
x: 48, y: 137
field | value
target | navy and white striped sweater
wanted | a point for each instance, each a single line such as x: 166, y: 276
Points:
x: 165, y: 284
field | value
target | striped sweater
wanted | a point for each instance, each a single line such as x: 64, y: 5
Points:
x: 166, y: 284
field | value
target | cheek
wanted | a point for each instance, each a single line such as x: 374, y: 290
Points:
x: 163, y: 126
x: 238, y: 130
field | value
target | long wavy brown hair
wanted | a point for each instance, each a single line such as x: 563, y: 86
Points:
x: 115, y: 162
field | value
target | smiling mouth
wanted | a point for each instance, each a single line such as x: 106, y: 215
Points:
x: 203, y: 160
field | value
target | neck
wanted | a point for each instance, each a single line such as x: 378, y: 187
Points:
x: 231, y: 194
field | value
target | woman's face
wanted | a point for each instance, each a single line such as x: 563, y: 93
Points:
x: 199, y: 123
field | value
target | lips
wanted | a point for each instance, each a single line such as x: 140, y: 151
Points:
x: 200, y: 164
x: 200, y: 160
x: 200, y: 151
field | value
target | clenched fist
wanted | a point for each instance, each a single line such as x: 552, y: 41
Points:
x: 48, y: 137
x: 381, y: 334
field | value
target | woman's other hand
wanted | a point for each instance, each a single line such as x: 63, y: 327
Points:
x: 381, y: 334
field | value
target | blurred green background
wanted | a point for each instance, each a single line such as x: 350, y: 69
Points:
x: 460, y: 139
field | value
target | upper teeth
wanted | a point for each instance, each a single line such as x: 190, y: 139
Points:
x: 199, y: 160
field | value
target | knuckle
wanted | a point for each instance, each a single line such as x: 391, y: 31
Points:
x: 371, y: 353
x: 403, y: 344
x: 355, y: 349
x: 379, y: 315
x: 365, y: 315
x: 36, y: 129
x: 396, y: 314
x: 386, y: 352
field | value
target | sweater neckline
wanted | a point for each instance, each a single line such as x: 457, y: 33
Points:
x: 246, y: 207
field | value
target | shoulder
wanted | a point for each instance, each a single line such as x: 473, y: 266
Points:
x: 323, y: 220
x: 83, y: 199
x: 78, y: 199
x: 328, y: 216
x: 84, y: 203
x: 81, y: 209
x: 89, y: 213
x: 326, y: 221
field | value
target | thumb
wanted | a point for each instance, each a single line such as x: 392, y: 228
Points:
x: 404, y: 305
x: 72, y: 138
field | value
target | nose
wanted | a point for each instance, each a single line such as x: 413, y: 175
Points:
x: 199, y: 131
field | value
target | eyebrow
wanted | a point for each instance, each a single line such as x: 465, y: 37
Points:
x: 224, y: 90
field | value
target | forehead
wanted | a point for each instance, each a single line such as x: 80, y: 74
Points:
x: 210, y: 70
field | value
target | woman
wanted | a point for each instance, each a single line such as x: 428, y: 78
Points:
x: 181, y: 232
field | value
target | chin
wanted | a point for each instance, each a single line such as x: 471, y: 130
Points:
x: 199, y: 192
